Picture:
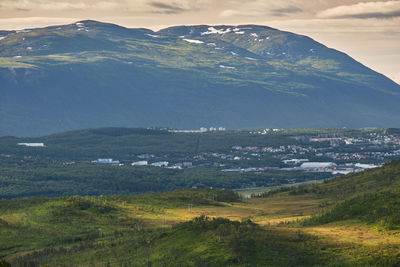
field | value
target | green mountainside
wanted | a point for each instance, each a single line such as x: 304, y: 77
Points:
x: 92, y: 74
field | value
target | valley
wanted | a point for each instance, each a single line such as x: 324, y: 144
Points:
x: 108, y: 161
x: 61, y: 207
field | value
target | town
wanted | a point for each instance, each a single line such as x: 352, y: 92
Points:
x: 331, y: 153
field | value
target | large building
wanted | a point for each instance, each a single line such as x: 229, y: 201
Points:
x: 107, y: 161
x: 140, y: 163
x: 294, y: 161
x: 318, y: 165
x: 160, y: 164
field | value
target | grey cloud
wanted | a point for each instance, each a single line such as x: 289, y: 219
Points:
x: 167, y: 8
x: 22, y: 9
x: 364, y: 10
x: 279, y: 12
x: 372, y: 15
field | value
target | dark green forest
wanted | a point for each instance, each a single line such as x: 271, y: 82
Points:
x: 28, y: 178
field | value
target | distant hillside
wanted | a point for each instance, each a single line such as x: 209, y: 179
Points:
x: 91, y: 74
x: 123, y: 143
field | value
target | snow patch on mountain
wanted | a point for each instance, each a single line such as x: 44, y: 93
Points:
x: 152, y: 35
x: 23, y: 31
x: 226, y: 67
x: 212, y: 30
x: 193, y: 41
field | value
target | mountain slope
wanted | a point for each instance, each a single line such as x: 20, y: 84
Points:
x: 91, y: 74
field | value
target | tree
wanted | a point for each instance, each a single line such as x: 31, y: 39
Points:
x: 3, y: 263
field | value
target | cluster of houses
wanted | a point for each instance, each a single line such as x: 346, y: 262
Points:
x: 201, y: 130
x: 163, y: 164
x: 331, y: 167
x: 307, y: 166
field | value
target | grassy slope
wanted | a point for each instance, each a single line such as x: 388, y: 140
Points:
x: 371, y: 197
x: 370, y: 181
x: 133, y: 229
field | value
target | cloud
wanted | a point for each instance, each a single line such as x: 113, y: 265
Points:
x: 259, y: 8
x: 379, y: 10
x: 171, y: 8
x: 26, y: 5
x: 137, y: 6
x: 33, y: 22
x: 287, y: 10
x: 22, y: 9
x: 42, y: 5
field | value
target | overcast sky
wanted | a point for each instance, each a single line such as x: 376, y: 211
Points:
x: 369, y: 31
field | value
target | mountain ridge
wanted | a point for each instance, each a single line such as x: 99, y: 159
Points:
x: 92, y: 74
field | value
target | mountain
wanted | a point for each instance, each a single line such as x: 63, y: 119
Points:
x: 92, y: 74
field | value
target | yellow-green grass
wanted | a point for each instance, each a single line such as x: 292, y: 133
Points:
x: 9, y: 62
x: 48, y: 223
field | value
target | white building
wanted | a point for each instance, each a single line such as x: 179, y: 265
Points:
x: 107, y: 161
x: 32, y: 144
x: 318, y: 165
x: 140, y: 163
x: 160, y: 164
x: 365, y: 166
x: 187, y: 164
x: 295, y: 161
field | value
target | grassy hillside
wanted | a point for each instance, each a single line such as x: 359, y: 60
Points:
x: 379, y: 209
x: 371, y: 181
x: 210, y: 227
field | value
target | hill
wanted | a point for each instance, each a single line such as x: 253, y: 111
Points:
x: 91, y: 74
x: 376, y: 180
x: 68, y: 163
x: 371, y: 197
x: 212, y: 227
